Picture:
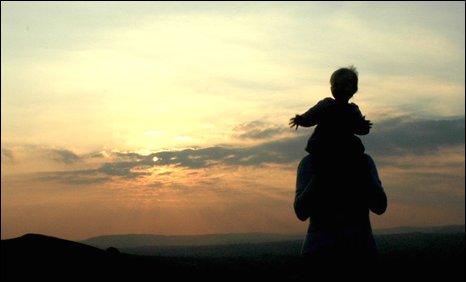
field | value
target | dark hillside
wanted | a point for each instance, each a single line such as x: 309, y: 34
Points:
x: 403, y: 256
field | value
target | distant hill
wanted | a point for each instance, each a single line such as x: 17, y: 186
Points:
x: 433, y: 229
x: 406, y: 256
x: 144, y: 240
x: 30, y: 244
x: 429, y: 244
x: 54, y: 258
x: 138, y: 240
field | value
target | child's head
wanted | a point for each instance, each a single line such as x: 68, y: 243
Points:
x: 344, y: 83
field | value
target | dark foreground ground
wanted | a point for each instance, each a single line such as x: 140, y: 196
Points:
x: 404, y: 256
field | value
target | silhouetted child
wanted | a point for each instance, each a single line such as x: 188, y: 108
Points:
x: 337, y: 120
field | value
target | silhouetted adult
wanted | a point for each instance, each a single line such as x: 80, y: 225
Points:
x: 336, y: 192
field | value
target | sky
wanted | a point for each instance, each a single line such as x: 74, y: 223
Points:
x: 172, y: 118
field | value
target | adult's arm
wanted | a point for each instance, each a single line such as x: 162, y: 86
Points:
x: 377, y: 196
x: 305, y: 182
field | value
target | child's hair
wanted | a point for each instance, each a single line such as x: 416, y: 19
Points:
x: 344, y: 82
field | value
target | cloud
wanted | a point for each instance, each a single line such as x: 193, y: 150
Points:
x: 403, y: 135
x: 393, y: 137
x: 7, y: 154
x: 95, y: 155
x: 65, y: 156
x: 155, y: 184
x: 32, y: 151
x: 258, y: 130
x: 126, y: 170
x: 75, y: 177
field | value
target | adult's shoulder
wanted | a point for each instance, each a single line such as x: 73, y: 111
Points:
x: 369, y: 159
x: 371, y: 164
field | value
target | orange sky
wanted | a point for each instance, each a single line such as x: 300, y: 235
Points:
x: 172, y: 118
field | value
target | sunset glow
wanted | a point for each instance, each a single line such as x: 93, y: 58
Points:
x: 171, y: 118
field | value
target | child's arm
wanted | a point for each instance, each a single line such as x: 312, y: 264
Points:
x: 298, y: 120
x: 311, y: 117
x: 362, y: 126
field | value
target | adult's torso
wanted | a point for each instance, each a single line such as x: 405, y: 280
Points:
x: 340, y: 215
x: 341, y: 192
